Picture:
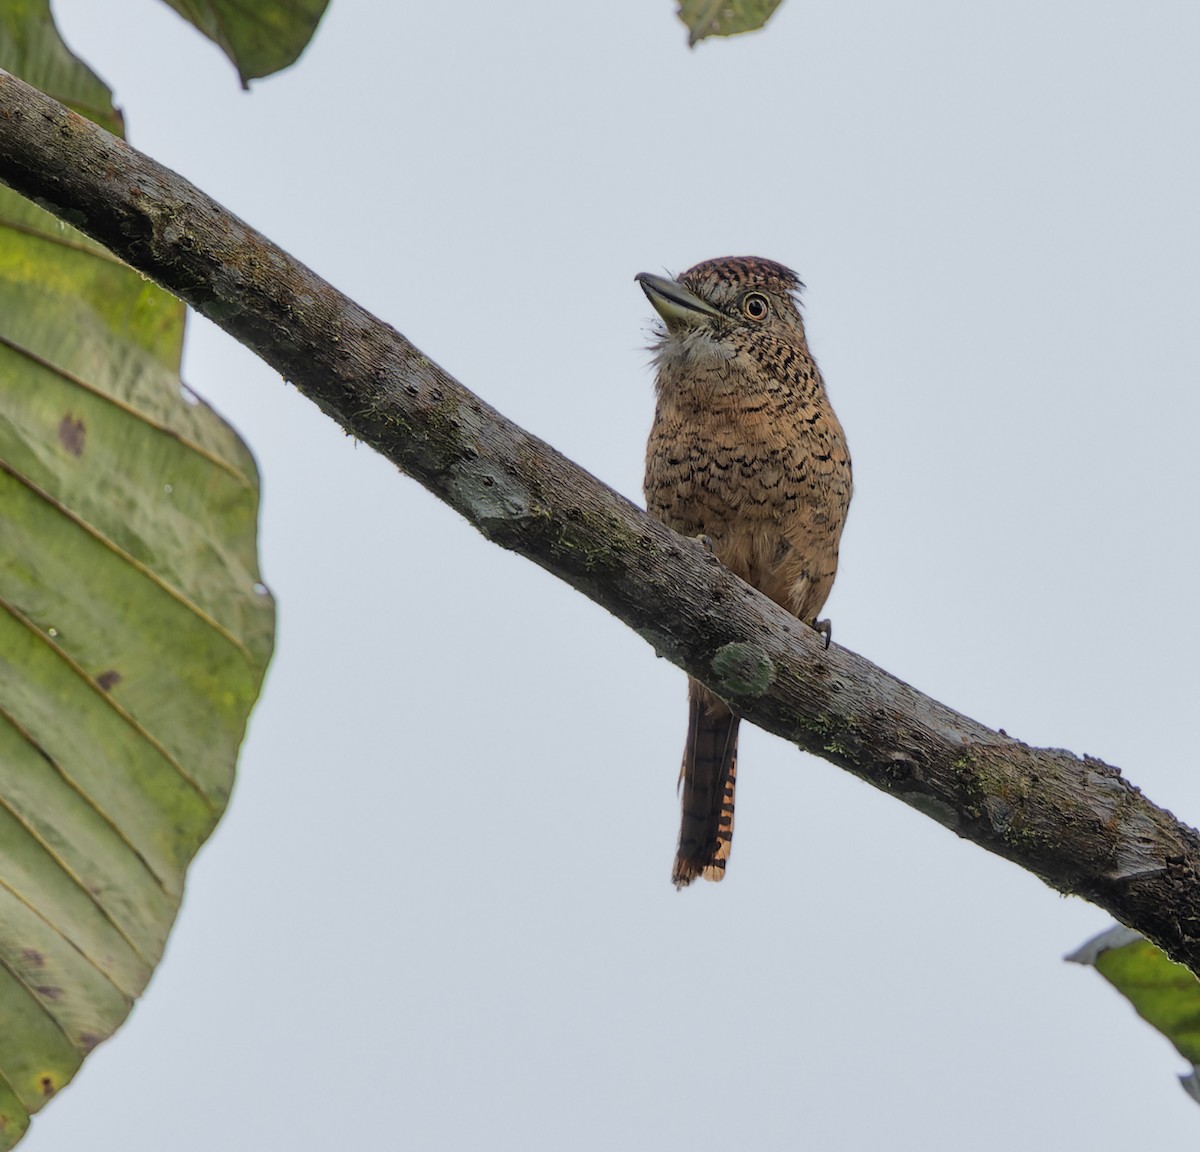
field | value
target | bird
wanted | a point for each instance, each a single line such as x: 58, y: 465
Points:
x: 747, y: 454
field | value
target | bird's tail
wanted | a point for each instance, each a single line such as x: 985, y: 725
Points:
x: 707, y: 782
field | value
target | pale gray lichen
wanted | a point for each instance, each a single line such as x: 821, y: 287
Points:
x: 491, y: 496
x: 935, y: 809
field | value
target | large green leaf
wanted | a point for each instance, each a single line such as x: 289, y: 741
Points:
x: 259, y: 36
x: 30, y: 47
x: 1164, y: 994
x: 134, y: 632
x: 723, y: 17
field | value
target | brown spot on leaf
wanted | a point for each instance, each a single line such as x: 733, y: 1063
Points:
x: 87, y: 1041
x: 48, y: 991
x: 72, y: 434
x: 109, y: 679
x: 34, y: 957
x: 47, y: 1086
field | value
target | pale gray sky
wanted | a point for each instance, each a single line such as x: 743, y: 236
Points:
x: 438, y: 913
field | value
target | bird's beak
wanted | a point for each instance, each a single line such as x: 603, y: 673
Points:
x: 678, y: 306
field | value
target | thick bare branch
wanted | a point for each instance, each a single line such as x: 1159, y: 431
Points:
x: 1074, y: 822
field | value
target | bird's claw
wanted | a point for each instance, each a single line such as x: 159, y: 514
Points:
x: 825, y: 628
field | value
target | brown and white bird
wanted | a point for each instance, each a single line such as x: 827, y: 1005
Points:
x: 745, y: 451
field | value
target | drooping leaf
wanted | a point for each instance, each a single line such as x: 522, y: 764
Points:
x: 30, y: 47
x: 1163, y: 993
x: 134, y: 632
x: 724, y: 17
x: 259, y: 36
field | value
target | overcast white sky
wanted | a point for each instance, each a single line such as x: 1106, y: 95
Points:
x: 438, y: 913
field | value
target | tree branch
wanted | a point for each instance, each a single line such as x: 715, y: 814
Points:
x: 1074, y: 822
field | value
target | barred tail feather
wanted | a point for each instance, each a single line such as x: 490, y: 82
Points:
x: 707, y: 782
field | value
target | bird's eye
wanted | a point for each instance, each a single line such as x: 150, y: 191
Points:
x: 755, y: 306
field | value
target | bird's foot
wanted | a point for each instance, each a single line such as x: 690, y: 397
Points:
x: 825, y: 628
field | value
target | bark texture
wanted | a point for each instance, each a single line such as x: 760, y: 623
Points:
x: 1075, y: 822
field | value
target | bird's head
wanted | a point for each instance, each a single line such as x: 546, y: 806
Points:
x: 723, y: 310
